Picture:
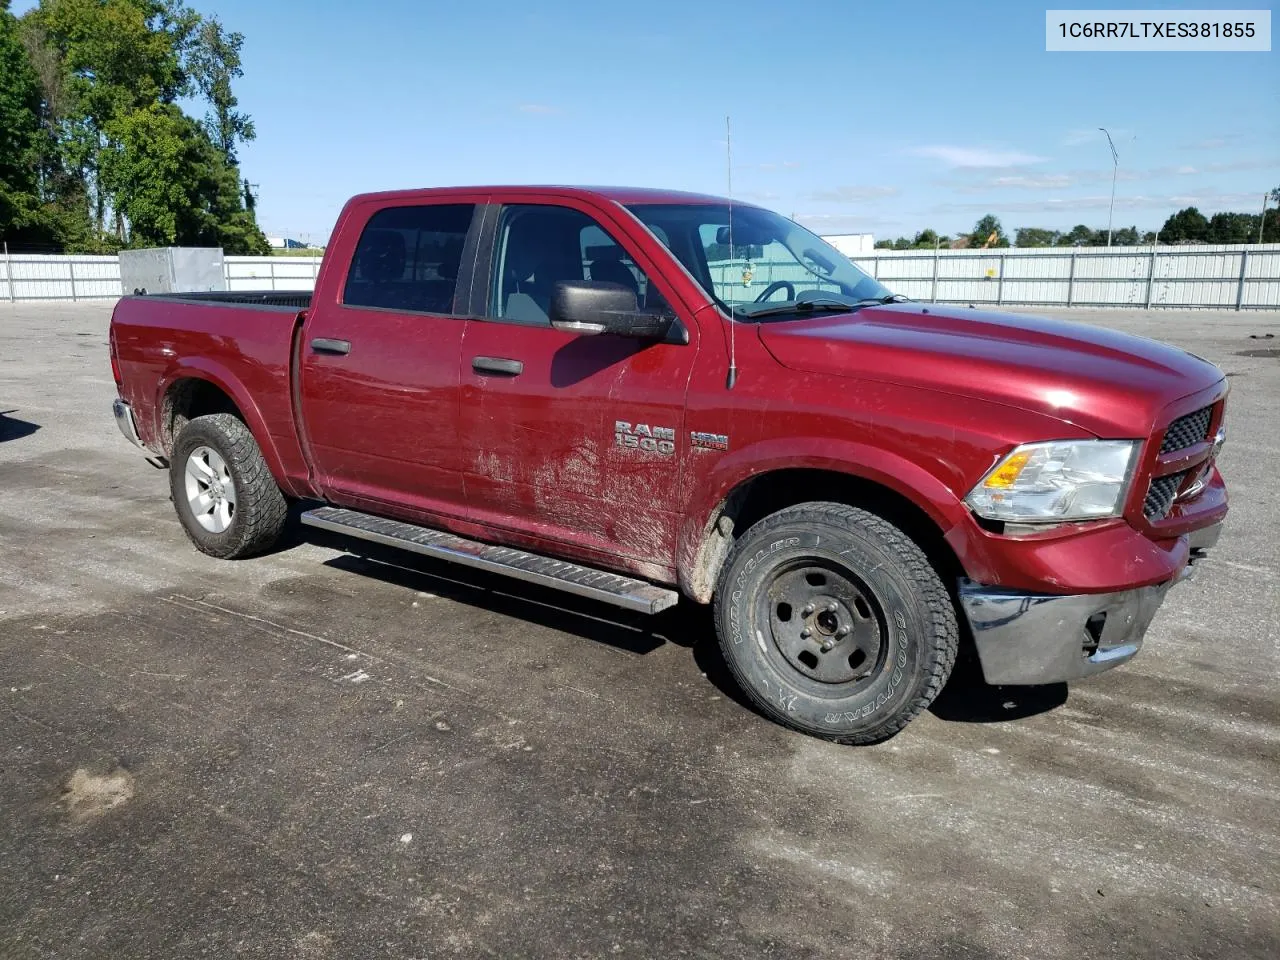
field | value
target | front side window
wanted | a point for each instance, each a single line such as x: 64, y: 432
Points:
x: 758, y: 264
x: 408, y: 258
x: 540, y: 246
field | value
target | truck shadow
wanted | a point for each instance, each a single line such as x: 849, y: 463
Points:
x: 967, y: 697
x: 545, y: 607
x: 12, y: 428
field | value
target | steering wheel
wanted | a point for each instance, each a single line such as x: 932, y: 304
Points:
x: 774, y: 287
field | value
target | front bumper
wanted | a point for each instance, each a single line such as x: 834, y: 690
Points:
x: 124, y: 420
x: 1035, y: 638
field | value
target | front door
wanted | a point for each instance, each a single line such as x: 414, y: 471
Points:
x: 567, y: 437
x: 379, y: 367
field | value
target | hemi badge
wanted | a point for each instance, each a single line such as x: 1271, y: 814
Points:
x: 709, y: 441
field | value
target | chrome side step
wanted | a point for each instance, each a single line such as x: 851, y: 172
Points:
x: 611, y: 588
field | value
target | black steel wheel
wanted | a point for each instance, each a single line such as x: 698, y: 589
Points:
x: 822, y: 621
x: 834, y: 622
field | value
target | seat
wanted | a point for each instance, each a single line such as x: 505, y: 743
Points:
x: 526, y: 284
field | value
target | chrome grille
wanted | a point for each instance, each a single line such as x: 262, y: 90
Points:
x: 1160, y: 495
x: 1187, y: 431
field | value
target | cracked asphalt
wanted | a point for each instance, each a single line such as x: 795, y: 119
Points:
x: 319, y: 754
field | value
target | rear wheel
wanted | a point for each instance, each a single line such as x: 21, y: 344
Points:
x: 834, y: 622
x: 224, y: 494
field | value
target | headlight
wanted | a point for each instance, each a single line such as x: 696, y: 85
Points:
x: 1058, y: 480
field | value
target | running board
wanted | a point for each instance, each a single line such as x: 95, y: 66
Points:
x: 611, y: 588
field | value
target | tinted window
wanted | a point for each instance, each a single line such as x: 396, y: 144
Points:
x: 540, y: 246
x: 408, y: 258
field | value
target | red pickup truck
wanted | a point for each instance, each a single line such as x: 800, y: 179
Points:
x: 637, y: 395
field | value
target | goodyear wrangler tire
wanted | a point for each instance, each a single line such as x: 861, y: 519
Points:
x: 225, y: 496
x: 834, y: 622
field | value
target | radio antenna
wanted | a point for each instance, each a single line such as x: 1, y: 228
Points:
x: 732, y: 377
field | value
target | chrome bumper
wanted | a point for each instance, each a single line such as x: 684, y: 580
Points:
x: 124, y: 420
x: 1033, y: 638
x: 1204, y: 539
x: 1027, y: 638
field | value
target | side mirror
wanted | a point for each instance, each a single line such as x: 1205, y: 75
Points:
x: 590, y: 307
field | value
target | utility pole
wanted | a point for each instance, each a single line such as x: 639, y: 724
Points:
x: 1115, y: 170
x: 1262, y: 220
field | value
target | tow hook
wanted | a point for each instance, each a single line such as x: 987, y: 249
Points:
x: 160, y: 463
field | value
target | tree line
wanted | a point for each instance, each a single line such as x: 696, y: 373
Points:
x: 1186, y: 226
x: 95, y: 153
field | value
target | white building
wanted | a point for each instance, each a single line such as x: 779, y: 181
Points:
x: 285, y: 243
x: 852, y: 244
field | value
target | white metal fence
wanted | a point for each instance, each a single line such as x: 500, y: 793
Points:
x: 43, y: 277
x: 1239, y: 277
x: 1224, y: 277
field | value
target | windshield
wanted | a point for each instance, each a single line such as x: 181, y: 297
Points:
x: 761, y: 264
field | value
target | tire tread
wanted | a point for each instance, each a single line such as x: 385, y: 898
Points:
x: 259, y: 500
x: 946, y: 636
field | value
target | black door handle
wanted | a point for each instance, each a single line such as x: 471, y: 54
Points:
x: 499, y: 365
x: 325, y: 345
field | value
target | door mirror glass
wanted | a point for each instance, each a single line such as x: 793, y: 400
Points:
x: 591, y: 307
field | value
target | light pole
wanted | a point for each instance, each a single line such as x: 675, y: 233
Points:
x: 1115, y: 170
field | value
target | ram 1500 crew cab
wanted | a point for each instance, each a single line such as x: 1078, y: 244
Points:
x: 638, y: 395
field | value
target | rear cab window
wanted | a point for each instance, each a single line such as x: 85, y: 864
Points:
x: 408, y: 258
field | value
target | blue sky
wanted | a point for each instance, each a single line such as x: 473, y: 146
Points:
x: 876, y: 117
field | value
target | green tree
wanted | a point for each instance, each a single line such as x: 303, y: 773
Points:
x: 1122, y: 237
x: 1186, y: 226
x: 114, y: 56
x: 1034, y: 237
x: 983, y: 231
x: 213, y: 62
x: 1078, y: 236
x: 174, y: 186
x: 1233, y: 228
x: 926, y: 239
x: 20, y: 137
x: 121, y: 162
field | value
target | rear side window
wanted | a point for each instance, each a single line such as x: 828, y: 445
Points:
x: 408, y: 258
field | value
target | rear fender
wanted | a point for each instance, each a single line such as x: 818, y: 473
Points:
x: 202, y: 368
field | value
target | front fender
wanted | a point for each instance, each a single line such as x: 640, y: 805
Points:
x: 850, y: 457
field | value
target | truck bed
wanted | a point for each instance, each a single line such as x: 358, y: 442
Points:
x: 293, y: 300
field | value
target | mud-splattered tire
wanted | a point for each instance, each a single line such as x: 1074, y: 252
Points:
x: 834, y: 623
x: 224, y: 494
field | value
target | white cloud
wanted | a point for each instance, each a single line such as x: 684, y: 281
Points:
x: 976, y: 156
x: 828, y: 224
x: 1048, y: 181
x: 854, y: 194
x: 1214, y: 143
x: 1101, y: 174
x: 1208, y: 202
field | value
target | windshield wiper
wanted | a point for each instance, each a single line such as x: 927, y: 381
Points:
x: 813, y: 306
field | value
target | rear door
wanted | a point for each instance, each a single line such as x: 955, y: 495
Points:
x: 566, y: 437
x: 379, y: 359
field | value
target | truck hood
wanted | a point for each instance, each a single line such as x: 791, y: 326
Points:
x: 1111, y: 384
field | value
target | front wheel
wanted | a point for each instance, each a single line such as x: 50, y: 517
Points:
x: 833, y: 622
x: 225, y: 496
